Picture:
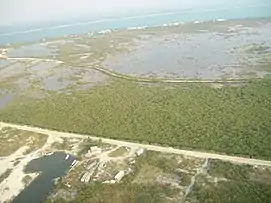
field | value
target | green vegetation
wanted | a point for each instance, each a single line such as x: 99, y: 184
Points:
x: 87, y: 144
x: 233, y: 120
x: 229, y: 171
x: 12, y: 139
x: 169, y: 163
x: 160, y: 80
x: 156, y: 178
x: 235, y: 192
x: 152, y: 165
x: 6, y: 174
x: 121, y: 193
x: 143, y: 185
x: 238, y: 186
x: 64, y: 145
x: 256, y: 48
x: 27, y: 180
x: 118, y: 152
x: 265, y: 62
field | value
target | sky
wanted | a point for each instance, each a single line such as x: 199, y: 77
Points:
x: 28, y: 11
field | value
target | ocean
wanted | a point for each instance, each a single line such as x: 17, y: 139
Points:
x: 243, y: 10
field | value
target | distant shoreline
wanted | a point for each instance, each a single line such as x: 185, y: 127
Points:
x: 35, y: 34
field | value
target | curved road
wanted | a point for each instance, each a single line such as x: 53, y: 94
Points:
x: 234, y: 159
x: 139, y: 79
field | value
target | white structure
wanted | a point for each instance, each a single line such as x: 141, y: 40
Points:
x: 86, y: 177
x: 3, y: 54
x: 92, y: 165
x: 109, y: 182
x: 119, y: 176
x: 105, y: 31
x: 139, y: 152
x: 74, y: 162
x: 95, y: 149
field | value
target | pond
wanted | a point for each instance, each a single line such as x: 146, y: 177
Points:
x: 208, y: 55
x: 5, y: 98
x: 50, y: 167
x: 4, y: 63
x: 34, y: 50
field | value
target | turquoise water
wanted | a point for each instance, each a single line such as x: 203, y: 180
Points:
x: 242, y: 10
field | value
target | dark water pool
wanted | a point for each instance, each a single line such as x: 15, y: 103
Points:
x: 50, y: 167
x: 5, y: 99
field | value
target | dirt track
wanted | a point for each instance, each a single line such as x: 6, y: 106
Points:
x: 138, y: 79
x: 198, y: 154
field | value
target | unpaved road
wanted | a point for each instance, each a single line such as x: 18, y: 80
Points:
x: 138, y: 79
x: 34, y: 59
x: 198, y: 154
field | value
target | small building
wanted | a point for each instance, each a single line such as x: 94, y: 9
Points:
x: 105, y: 31
x: 95, y: 149
x: 119, y: 176
x: 88, y: 176
x: 109, y: 182
x: 139, y: 152
x: 2, y: 56
x: 92, y: 165
x: 84, y: 177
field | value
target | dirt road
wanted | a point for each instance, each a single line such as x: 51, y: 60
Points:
x: 198, y: 154
x: 138, y: 79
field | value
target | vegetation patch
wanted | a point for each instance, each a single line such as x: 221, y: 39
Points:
x: 233, y: 120
x: 5, y: 174
x: 27, y: 180
x: 236, y: 186
x: 12, y: 139
x: 122, y: 193
x: 118, y: 152
x: 148, y: 182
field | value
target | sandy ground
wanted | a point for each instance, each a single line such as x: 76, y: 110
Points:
x: 13, y: 184
x: 204, y: 155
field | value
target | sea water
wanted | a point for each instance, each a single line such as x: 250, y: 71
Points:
x: 238, y: 9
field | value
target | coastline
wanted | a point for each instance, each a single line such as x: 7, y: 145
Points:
x: 247, y: 12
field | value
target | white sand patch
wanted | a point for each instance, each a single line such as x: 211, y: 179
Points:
x: 13, y: 184
x: 6, y: 162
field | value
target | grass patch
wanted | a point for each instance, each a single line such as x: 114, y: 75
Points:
x: 152, y: 165
x: 229, y: 171
x: 5, y: 175
x: 87, y: 144
x: 118, y: 152
x: 233, y: 120
x: 149, y: 182
x: 27, y: 180
x: 122, y: 193
x: 12, y: 139
x: 64, y: 145
x: 237, y: 188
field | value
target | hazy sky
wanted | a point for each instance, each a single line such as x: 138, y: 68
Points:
x: 27, y: 11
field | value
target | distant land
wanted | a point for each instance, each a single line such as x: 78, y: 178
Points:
x: 31, y: 33
x: 161, y: 108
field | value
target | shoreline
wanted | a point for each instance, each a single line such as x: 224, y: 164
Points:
x: 107, y: 29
